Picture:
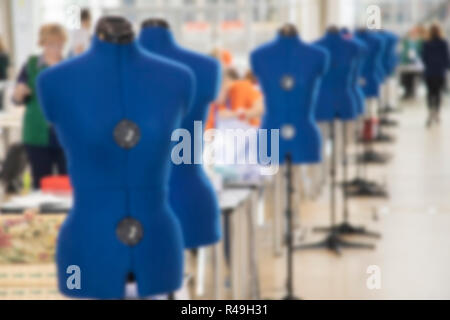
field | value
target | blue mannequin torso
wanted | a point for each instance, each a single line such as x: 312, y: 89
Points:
x: 192, y: 195
x: 357, y: 70
x: 389, y: 59
x: 289, y: 72
x: 336, y: 99
x: 121, y: 222
x: 370, y: 71
x: 381, y: 72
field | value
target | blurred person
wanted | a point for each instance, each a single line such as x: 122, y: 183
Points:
x: 436, y: 60
x: 42, y: 146
x: 243, y: 101
x: 411, y: 49
x: 218, y: 108
x: 224, y: 56
x: 4, y: 66
x: 81, y: 38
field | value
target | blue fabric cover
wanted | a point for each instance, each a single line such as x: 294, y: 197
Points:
x: 371, y: 72
x: 192, y: 195
x: 306, y: 64
x: 357, y: 71
x: 336, y: 96
x: 381, y: 72
x: 390, y: 58
x: 85, y: 98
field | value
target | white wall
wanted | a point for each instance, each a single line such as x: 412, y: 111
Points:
x: 4, y: 23
x: 310, y: 20
x: 341, y: 13
x: 24, y: 18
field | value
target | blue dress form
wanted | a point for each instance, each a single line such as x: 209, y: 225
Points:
x: 381, y: 72
x: 336, y: 96
x: 290, y: 72
x: 357, y: 71
x: 389, y: 59
x: 115, y: 119
x: 192, y: 195
x: 370, y: 72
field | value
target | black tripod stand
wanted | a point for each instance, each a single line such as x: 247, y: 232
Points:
x: 383, y: 120
x: 289, y: 232
x: 333, y: 241
x: 361, y: 186
x: 346, y: 228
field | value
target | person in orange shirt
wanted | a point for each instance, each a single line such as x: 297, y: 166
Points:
x: 218, y: 108
x: 246, y: 100
x: 239, y: 98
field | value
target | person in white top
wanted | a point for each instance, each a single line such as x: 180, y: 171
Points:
x: 81, y: 38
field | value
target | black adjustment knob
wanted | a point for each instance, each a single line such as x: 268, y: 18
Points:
x: 130, y: 231
x: 127, y: 134
x: 287, y: 82
x: 288, y: 132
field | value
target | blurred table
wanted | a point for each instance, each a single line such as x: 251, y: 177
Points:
x: 10, y: 120
x: 27, y: 248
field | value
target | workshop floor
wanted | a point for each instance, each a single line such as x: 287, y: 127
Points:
x: 412, y: 257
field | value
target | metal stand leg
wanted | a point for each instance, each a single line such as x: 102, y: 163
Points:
x: 277, y: 214
x: 346, y: 228
x: 289, y: 234
x: 333, y: 241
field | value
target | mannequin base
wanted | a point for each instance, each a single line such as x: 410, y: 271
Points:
x: 335, y: 244
x: 356, y: 183
x: 346, y: 229
x: 384, y: 138
x: 290, y: 297
x: 373, y: 157
x: 386, y: 122
x: 366, y: 189
x: 390, y: 109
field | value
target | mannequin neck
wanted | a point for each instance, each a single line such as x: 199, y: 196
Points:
x: 288, y: 39
x: 111, y: 50
x: 157, y: 36
x: 333, y: 34
x: 345, y: 32
x: 115, y: 30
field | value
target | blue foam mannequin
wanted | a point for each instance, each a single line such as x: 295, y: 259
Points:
x: 108, y: 84
x: 336, y: 96
x: 357, y: 71
x: 370, y: 73
x: 389, y: 58
x: 192, y: 195
x: 381, y: 72
x: 284, y: 58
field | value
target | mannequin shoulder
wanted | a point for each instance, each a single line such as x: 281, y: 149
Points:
x: 354, y: 49
x: 165, y: 69
x: 59, y: 73
x: 263, y: 50
x: 205, y: 68
x: 318, y: 53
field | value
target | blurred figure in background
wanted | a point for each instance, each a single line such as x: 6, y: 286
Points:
x: 244, y: 100
x: 43, y: 150
x: 4, y: 65
x: 239, y: 101
x: 224, y: 56
x: 411, y: 50
x: 218, y: 108
x: 81, y: 38
x: 436, y: 59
